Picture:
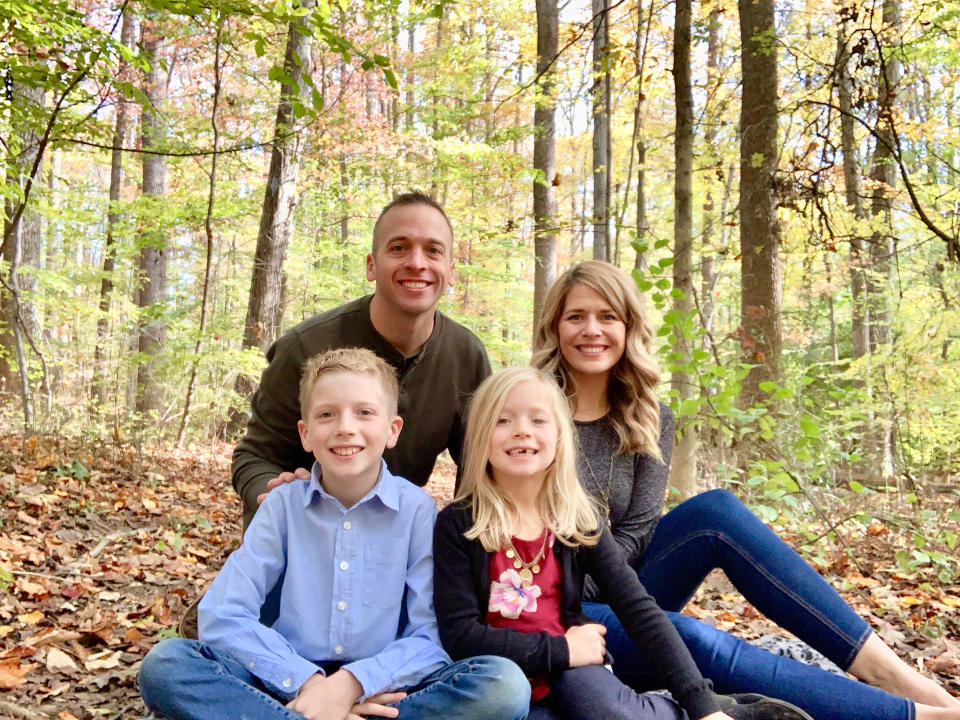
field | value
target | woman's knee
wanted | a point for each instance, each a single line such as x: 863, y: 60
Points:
x: 712, y: 509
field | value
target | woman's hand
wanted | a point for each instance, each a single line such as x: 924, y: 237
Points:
x: 586, y: 644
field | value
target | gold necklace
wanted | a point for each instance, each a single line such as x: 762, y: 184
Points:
x: 603, y: 491
x: 527, y: 569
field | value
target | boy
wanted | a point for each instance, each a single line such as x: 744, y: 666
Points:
x: 356, y: 626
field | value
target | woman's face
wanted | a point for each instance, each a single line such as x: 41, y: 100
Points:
x: 591, y: 333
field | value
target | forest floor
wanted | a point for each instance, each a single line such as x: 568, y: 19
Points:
x: 102, y: 549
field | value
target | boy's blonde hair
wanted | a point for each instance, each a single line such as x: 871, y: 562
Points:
x: 634, y: 408
x: 564, y: 506
x: 352, y: 360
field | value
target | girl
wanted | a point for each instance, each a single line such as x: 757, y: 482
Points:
x: 510, y: 554
x: 593, y: 338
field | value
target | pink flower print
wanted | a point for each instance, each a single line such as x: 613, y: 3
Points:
x: 510, y: 597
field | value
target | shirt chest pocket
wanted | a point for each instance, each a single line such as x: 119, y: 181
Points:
x: 384, y: 573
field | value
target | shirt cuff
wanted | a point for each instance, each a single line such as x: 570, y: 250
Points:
x: 284, y: 680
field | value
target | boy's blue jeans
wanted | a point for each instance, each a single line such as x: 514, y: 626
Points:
x: 715, y: 530
x: 185, y: 679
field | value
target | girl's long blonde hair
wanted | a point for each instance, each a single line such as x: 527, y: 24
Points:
x: 563, y: 504
x: 634, y: 408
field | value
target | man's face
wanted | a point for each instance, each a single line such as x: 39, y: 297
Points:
x: 412, y: 262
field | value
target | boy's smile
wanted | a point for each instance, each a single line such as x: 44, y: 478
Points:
x: 347, y: 428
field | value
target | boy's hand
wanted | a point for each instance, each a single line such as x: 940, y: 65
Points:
x: 327, y: 698
x: 376, y: 706
x: 586, y: 644
x: 285, y: 477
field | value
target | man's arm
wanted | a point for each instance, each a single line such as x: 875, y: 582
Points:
x: 271, y: 444
x: 416, y: 652
x: 229, y: 613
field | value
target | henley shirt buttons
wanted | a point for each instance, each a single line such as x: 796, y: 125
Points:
x: 344, y: 564
x: 341, y: 605
x: 346, y: 524
x: 338, y: 649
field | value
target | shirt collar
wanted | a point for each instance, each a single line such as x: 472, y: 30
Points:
x: 385, y: 490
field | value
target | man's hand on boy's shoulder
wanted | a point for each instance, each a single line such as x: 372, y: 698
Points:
x: 335, y: 698
x: 281, y: 479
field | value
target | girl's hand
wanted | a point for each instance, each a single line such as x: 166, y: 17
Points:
x: 586, y: 644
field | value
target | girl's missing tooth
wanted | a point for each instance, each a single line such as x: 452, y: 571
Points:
x: 511, y: 553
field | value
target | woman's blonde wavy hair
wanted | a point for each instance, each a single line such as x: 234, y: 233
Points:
x: 634, y: 408
x: 563, y: 505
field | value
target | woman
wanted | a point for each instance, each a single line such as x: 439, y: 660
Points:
x: 594, y: 338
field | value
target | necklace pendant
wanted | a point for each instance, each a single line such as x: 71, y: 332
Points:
x: 535, y: 568
x: 526, y: 576
x: 510, y: 554
x: 517, y: 564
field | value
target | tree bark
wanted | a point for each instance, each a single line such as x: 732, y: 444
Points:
x: 601, y: 133
x: 544, y: 157
x: 152, y: 260
x: 22, y: 241
x: 121, y: 128
x: 760, y: 287
x: 266, y: 284
x: 683, y: 466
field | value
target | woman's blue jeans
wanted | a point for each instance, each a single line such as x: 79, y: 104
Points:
x: 185, y: 679
x: 715, y: 530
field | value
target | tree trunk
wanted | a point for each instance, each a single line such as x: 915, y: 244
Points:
x: 879, y: 282
x: 601, y: 133
x: 760, y: 286
x: 266, y: 284
x: 123, y: 122
x: 152, y: 260
x: 544, y: 157
x: 683, y: 466
x: 22, y: 242
x: 208, y: 232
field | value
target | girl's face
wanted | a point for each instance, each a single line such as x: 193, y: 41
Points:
x: 524, y: 441
x: 592, y: 335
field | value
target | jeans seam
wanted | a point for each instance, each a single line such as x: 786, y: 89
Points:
x: 854, y: 643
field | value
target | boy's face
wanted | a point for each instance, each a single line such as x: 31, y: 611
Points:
x: 348, y: 425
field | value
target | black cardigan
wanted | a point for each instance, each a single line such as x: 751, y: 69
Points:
x: 461, y: 591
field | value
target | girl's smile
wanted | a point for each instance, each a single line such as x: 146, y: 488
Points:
x: 524, y: 440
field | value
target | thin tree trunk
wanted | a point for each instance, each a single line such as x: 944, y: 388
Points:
x: 121, y: 128
x: 208, y: 229
x: 152, y: 261
x: 266, y: 284
x: 544, y: 157
x: 601, y: 133
x: 683, y: 466
x: 760, y: 287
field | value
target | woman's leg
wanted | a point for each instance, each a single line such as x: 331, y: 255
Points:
x: 715, y: 530
x: 735, y: 666
x: 184, y: 679
x: 592, y: 691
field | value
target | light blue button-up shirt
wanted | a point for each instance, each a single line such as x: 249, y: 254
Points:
x: 358, y: 588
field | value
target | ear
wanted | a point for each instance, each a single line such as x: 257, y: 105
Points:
x: 371, y: 276
x: 396, y: 425
x: 304, y: 438
x: 450, y: 275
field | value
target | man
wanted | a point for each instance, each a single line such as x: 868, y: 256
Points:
x: 439, y: 362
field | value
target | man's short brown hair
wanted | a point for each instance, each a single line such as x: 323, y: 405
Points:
x: 351, y: 360
x: 412, y: 197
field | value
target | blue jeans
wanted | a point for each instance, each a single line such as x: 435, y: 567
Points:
x: 715, y: 530
x: 592, y: 693
x: 187, y: 680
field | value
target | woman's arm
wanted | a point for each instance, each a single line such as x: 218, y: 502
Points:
x: 461, y: 606
x: 633, y: 529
